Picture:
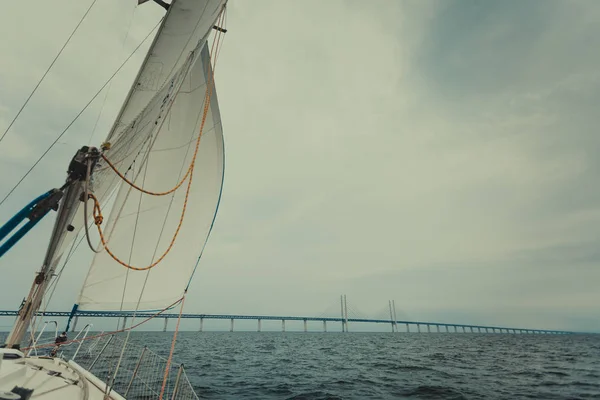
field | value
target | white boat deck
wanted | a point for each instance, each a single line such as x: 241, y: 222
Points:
x: 134, y: 371
x: 48, y: 378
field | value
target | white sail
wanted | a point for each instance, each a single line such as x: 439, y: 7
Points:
x: 186, y: 25
x: 153, y: 142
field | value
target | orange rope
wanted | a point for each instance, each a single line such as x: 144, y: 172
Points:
x: 141, y: 189
x: 166, y: 375
x: 109, y: 333
x: 98, y: 218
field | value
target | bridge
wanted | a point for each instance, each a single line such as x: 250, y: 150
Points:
x: 344, y: 320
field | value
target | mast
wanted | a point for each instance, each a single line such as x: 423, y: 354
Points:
x: 70, y: 196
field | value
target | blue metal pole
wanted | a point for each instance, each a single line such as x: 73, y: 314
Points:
x: 73, y: 312
x: 19, y: 235
x: 16, y: 220
x: 20, y: 216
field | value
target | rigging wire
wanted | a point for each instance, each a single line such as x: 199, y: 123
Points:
x: 79, y: 114
x: 47, y: 70
x: 173, y: 341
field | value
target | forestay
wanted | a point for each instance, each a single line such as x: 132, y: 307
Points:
x: 153, y: 142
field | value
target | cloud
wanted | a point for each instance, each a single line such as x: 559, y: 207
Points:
x: 442, y: 154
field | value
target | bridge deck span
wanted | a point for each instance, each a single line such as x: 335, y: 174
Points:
x: 418, y: 324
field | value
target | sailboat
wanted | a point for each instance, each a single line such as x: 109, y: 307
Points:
x: 145, y: 201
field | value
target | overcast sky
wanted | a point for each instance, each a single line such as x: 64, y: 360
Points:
x: 440, y: 153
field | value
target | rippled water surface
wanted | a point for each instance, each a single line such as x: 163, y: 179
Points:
x: 275, y: 365
x: 244, y: 365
